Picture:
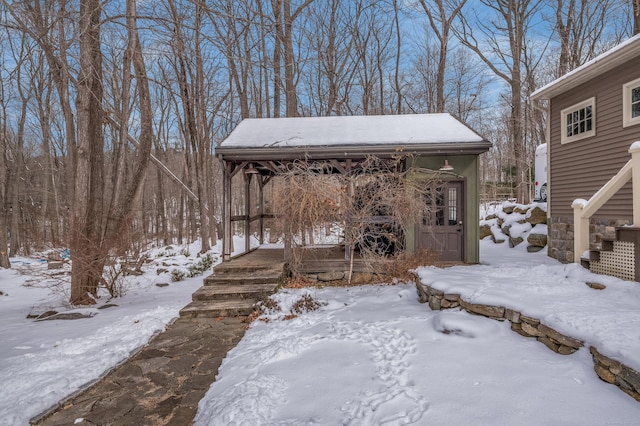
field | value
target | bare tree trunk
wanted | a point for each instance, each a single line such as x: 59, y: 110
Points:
x: 441, y: 23
x: 636, y: 17
x: 86, y: 230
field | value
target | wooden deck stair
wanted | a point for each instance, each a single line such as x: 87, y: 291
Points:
x: 617, y: 256
x: 234, y: 288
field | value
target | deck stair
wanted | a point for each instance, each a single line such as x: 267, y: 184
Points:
x: 617, y: 256
x: 234, y: 288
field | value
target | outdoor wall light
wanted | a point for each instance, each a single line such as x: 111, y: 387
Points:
x: 446, y: 167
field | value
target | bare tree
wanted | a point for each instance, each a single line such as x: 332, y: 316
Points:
x: 580, y: 25
x: 510, y: 22
x: 441, y: 23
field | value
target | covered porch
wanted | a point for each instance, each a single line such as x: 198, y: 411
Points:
x: 259, y: 150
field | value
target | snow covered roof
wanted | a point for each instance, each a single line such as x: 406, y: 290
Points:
x: 608, y: 60
x: 320, y: 137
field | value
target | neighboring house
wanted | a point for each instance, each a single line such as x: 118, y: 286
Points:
x: 263, y: 147
x: 593, y: 119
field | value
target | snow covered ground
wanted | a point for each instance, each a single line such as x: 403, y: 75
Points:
x: 373, y: 355
x: 368, y: 355
x: 42, y: 362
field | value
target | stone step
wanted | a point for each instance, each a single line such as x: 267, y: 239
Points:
x: 239, y: 278
x: 239, y: 291
x: 218, y: 308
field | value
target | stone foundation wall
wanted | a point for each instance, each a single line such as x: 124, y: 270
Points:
x: 609, y: 370
x: 560, y: 238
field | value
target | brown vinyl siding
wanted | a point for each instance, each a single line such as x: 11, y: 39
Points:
x: 578, y: 169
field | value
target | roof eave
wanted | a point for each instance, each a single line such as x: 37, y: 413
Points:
x: 346, y: 152
x: 589, y: 70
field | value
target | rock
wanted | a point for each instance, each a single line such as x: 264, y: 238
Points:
x: 537, y: 216
x: 434, y: 303
x: 631, y: 376
x: 506, y: 230
x: 601, y: 359
x: 539, y: 240
x: 566, y: 350
x: 515, y: 241
x: 162, y: 284
x: 42, y: 315
x: 521, y: 210
x: 508, y: 209
x: 161, y: 271
x: 491, y: 216
x: 452, y: 297
x: 529, y: 320
x: 67, y: 316
x: 485, y: 231
x: 512, y: 316
x: 530, y: 329
x: 423, y: 297
x: 108, y: 305
x: 485, y: 310
x: 549, y: 343
x: 534, y: 249
x: 604, y: 374
x: 330, y: 276
x: 560, y: 338
x: 596, y: 286
x: 518, y: 329
x: 362, y: 278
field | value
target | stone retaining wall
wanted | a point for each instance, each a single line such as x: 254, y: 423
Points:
x: 609, y: 370
x: 560, y: 241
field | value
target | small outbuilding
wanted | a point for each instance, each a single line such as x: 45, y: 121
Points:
x: 262, y: 148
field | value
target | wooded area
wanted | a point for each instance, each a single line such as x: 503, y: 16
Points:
x: 110, y: 110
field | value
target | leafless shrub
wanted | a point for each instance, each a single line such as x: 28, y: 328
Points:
x: 377, y: 201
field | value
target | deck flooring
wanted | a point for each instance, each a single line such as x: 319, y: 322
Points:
x: 312, y: 260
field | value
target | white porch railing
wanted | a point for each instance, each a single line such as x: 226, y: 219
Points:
x: 583, y: 209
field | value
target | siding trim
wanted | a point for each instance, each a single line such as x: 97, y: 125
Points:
x: 627, y: 119
x: 564, y: 137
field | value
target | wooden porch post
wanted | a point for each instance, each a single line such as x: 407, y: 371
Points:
x: 261, y: 207
x: 226, y: 211
x: 634, y: 150
x: 247, y: 211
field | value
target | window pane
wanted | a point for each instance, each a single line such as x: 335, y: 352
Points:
x: 582, y: 114
x: 576, y: 128
x: 635, y: 110
x: 588, y: 109
x: 453, y: 206
x: 635, y: 94
x: 589, y: 125
x: 582, y: 127
x: 569, y: 131
x: 569, y: 119
x: 575, y: 116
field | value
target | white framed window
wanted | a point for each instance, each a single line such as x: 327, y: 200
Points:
x: 631, y: 103
x: 579, y: 121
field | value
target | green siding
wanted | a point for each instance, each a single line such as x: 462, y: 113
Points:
x: 464, y: 167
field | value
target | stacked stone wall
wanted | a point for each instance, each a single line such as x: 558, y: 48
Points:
x: 560, y: 238
x: 609, y: 370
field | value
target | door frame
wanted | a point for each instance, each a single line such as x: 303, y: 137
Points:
x: 461, y: 218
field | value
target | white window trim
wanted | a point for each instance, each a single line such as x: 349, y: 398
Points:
x: 563, y: 120
x: 627, y: 120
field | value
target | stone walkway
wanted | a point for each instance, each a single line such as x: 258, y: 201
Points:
x: 159, y: 385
